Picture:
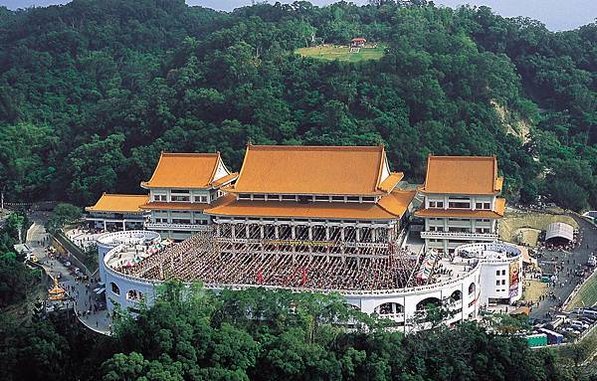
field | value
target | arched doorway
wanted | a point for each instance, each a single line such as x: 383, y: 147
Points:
x: 456, y: 296
x: 472, y: 288
x: 427, y: 302
x: 389, y: 308
x: 115, y: 288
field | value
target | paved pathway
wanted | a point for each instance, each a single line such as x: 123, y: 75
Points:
x: 38, y: 239
x: 570, y: 261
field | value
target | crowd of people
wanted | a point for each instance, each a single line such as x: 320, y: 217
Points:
x: 200, y: 258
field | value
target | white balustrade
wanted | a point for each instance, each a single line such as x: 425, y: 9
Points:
x: 173, y: 226
x: 458, y: 235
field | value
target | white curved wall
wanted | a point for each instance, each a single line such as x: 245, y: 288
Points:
x: 478, y: 281
x: 498, y: 263
x: 109, y: 241
x: 126, y: 284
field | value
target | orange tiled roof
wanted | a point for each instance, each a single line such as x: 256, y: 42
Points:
x: 225, y: 179
x: 500, y: 206
x: 391, y: 181
x: 119, y: 203
x: 311, y: 170
x: 184, y: 170
x: 461, y: 175
x: 499, y: 211
x: 175, y: 206
x: 397, y: 202
x: 391, y: 207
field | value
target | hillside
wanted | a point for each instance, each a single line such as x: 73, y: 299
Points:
x: 92, y: 91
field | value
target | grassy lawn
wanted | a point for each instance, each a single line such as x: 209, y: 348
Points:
x: 533, y: 289
x: 514, y: 224
x: 587, y: 294
x: 342, y: 53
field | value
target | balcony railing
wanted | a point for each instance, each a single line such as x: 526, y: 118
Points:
x: 169, y: 226
x: 298, y: 242
x: 398, y: 316
x: 459, y: 235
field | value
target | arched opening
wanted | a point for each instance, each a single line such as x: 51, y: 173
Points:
x: 134, y: 295
x: 389, y: 308
x: 427, y: 302
x: 456, y: 296
x: 472, y: 288
x: 115, y: 288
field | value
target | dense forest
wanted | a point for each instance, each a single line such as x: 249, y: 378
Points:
x: 218, y: 337
x: 197, y: 335
x: 92, y: 91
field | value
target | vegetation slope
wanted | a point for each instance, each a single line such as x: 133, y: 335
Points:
x: 92, y: 91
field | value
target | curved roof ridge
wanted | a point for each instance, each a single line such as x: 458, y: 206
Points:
x: 341, y: 170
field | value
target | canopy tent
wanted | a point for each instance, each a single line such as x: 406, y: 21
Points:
x: 559, y: 230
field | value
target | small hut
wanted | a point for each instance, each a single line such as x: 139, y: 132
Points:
x: 357, y: 42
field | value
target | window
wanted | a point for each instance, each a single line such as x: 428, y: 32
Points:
x: 134, y: 295
x: 483, y: 205
x: 338, y: 198
x: 258, y: 197
x: 181, y: 221
x: 304, y: 199
x: 436, y: 204
x: 503, y: 272
x: 503, y: 282
x: 180, y: 191
x: 368, y: 199
x: 180, y: 198
x: 497, y: 273
x: 160, y: 197
x: 322, y: 198
x: 288, y: 197
x: 115, y: 288
x: 459, y: 205
x: 353, y: 198
x: 497, y: 282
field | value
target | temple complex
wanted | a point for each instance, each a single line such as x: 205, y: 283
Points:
x: 321, y: 219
